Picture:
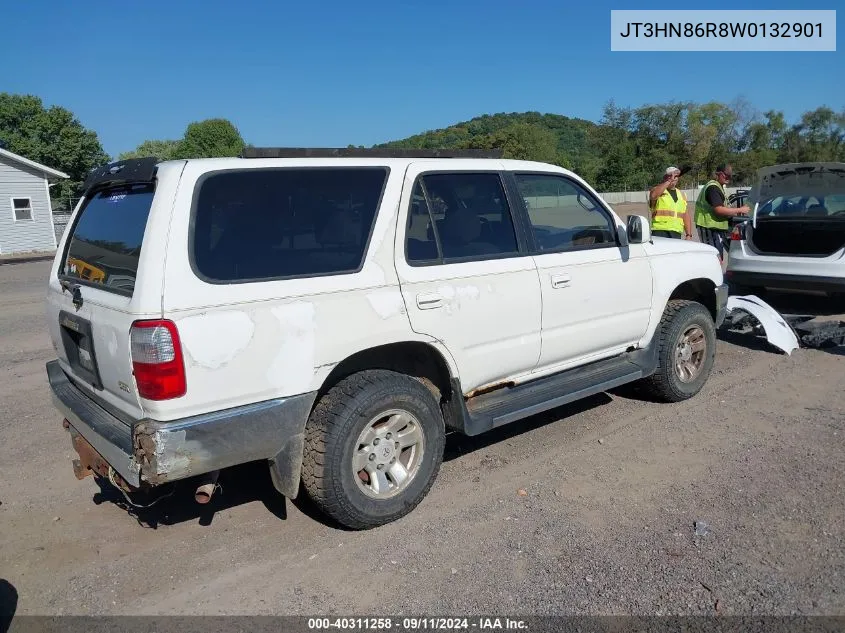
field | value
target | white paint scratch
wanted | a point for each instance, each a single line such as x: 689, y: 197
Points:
x: 215, y: 338
x: 387, y: 304
x: 293, y: 366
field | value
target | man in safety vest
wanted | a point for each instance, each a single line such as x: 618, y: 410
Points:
x: 712, y: 217
x: 669, y: 217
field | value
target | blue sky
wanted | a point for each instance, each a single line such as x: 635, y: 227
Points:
x: 332, y: 73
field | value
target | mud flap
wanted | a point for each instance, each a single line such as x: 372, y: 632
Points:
x: 286, y: 466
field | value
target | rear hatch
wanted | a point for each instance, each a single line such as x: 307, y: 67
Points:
x: 94, y: 292
x: 799, y: 210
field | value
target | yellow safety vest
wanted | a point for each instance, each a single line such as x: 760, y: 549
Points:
x: 705, y: 216
x: 668, y: 214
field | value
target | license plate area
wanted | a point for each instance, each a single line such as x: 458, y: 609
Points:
x: 78, y: 342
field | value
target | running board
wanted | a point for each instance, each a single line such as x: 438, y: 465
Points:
x: 503, y: 406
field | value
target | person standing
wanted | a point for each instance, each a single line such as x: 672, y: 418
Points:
x: 712, y: 216
x: 669, y: 217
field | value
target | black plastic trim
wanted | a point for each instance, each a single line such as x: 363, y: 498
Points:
x: 785, y: 282
x: 121, y: 172
x: 490, y: 410
x: 70, y: 322
x: 360, y: 152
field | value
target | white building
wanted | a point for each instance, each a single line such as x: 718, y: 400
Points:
x: 26, y: 215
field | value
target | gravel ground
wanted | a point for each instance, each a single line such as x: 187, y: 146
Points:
x: 588, y: 510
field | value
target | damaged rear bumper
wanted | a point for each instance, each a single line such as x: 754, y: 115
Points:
x: 150, y: 452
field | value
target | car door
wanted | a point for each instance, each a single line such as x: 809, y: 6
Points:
x: 466, y: 276
x: 596, y: 293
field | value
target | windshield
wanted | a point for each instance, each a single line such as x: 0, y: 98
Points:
x: 828, y: 206
x: 106, y: 242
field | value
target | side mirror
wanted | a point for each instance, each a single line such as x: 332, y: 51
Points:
x: 639, y: 230
x: 622, y: 236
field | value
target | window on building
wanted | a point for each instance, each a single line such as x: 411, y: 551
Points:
x: 22, y: 208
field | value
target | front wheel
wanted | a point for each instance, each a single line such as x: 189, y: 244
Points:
x: 686, y: 340
x: 373, y: 447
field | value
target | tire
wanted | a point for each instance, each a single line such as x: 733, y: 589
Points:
x: 377, y: 402
x: 682, y: 318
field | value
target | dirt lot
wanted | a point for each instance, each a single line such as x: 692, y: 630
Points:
x: 613, y: 487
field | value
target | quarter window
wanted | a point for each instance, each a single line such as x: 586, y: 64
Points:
x: 459, y: 216
x: 255, y: 224
x: 563, y: 215
x: 22, y: 208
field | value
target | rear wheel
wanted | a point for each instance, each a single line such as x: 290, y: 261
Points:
x: 373, y: 448
x: 686, y: 340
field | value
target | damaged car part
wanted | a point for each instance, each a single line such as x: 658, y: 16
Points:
x: 776, y: 329
x: 786, y: 332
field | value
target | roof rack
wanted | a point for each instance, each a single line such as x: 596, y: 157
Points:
x: 359, y: 152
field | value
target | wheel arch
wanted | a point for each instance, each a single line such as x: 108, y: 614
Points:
x: 701, y: 290
x: 427, y: 361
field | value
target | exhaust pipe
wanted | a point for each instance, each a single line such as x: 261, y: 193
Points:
x: 206, y: 488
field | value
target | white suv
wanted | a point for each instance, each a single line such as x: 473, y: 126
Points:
x: 336, y: 313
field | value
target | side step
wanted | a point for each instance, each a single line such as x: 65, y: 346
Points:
x: 496, y: 408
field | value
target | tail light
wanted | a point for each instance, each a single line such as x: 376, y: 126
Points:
x: 738, y: 233
x: 157, y: 360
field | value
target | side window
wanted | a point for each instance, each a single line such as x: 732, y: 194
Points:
x: 255, y: 224
x: 460, y: 215
x: 563, y: 215
x: 420, y: 241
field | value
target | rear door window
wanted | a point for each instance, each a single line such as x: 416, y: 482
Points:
x: 459, y: 217
x: 260, y: 224
x: 105, y: 245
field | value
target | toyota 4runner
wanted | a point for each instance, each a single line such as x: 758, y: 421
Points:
x: 336, y: 313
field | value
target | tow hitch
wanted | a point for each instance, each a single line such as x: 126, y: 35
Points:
x: 90, y: 462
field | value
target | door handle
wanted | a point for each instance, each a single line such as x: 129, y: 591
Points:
x: 560, y: 281
x: 429, y: 301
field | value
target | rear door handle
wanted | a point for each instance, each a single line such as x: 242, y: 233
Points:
x: 429, y: 301
x: 560, y: 281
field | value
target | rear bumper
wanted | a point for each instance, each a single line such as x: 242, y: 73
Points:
x: 778, y: 281
x: 153, y: 452
x: 721, y: 304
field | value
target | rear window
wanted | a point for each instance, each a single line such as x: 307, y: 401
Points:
x: 260, y: 224
x: 105, y: 245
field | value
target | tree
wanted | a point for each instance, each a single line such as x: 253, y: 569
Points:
x: 165, y: 150
x: 522, y: 141
x: 211, y: 138
x: 52, y: 136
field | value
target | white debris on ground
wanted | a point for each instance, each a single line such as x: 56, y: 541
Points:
x: 778, y: 332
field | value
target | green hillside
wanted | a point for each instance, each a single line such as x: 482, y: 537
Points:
x: 629, y: 148
x: 527, y: 135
